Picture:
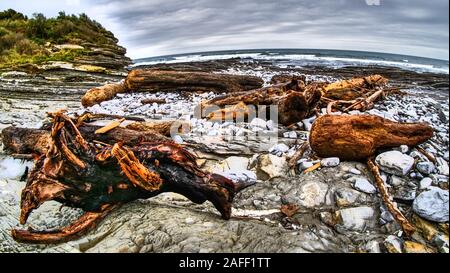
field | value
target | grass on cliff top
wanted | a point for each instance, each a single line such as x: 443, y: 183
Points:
x: 26, y: 40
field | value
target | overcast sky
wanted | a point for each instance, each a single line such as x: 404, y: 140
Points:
x: 160, y: 27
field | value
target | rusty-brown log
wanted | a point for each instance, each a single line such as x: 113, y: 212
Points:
x: 25, y: 141
x: 163, y: 80
x: 357, y: 137
x: 103, y: 93
x: 353, y: 88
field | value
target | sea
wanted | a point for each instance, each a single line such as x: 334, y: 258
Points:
x: 310, y: 57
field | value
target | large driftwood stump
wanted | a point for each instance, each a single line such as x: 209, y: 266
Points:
x: 79, y: 171
x: 295, y: 101
x: 357, y: 137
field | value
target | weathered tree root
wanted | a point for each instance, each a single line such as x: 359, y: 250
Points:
x: 79, y: 171
x: 80, y: 227
x: 294, y: 101
x: 407, y: 227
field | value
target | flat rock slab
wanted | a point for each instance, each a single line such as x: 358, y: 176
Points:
x: 432, y: 205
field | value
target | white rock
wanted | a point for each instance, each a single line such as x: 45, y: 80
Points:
x: 307, y: 123
x: 178, y: 139
x: 393, y: 244
x: 312, y: 194
x: 425, y: 183
x: 239, y: 176
x: 432, y: 205
x: 364, y: 185
x: 404, y: 149
x: 270, y: 125
x: 281, y: 147
x: 273, y: 165
x: 213, y: 132
x: 234, y: 164
x: 355, y: 171
x: 442, y: 166
x: 394, y: 162
x: 292, y: 134
x: 330, y: 162
x: 357, y: 219
x: 373, y: 247
x: 305, y: 165
x: 397, y: 181
x: 260, y: 123
x: 425, y: 167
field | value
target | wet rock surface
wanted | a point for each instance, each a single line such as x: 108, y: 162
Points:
x: 339, y: 209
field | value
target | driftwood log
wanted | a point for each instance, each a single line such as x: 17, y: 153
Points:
x: 151, y: 80
x: 99, y: 94
x: 95, y: 176
x: 36, y: 141
x: 353, y: 88
x: 357, y: 137
x: 166, y: 80
x: 295, y: 101
x: 17, y: 140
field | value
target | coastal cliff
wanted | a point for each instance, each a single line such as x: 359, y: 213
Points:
x: 66, y: 42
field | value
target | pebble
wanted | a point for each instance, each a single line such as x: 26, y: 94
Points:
x: 393, y: 244
x: 425, y: 167
x: 385, y: 215
x: 305, y: 165
x: 357, y: 219
x: 404, y: 149
x: 279, y: 148
x: 397, y: 181
x: 330, y: 162
x: 260, y: 123
x: 270, y: 125
x: 432, y: 205
x: 373, y: 247
x: 292, y: 134
x: 178, y: 139
x: 394, y: 162
x: 442, y: 166
x: 441, y: 241
x: 355, y: 171
x: 364, y: 185
x: 425, y: 183
x: 213, y: 132
x: 312, y: 194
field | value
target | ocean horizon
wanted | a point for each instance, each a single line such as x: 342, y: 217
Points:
x: 309, y: 57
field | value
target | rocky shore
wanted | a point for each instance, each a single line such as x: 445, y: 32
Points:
x: 337, y: 207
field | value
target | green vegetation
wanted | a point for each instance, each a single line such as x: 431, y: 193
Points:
x: 29, y: 40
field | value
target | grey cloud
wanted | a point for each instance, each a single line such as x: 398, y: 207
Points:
x: 174, y: 26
